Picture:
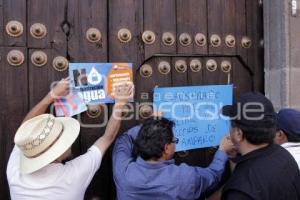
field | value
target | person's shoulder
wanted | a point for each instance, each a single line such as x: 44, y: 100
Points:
x: 236, y: 194
x: 174, y: 168
x: 182, y: 166
x: 242, y: 180
x: 13, y: 164
x: 282, y: 151
x: 94, y: 150
x: 280, y: 148
x: 291, y: 155
x: 275, y: 157
x: 131, y: 131
x: 278, y: 161
x: 184, y: 173
x: 185, y: 169
x: 134, y: 129
x: 273, y: 151
x: 291, y: 146
x: 93, y: 154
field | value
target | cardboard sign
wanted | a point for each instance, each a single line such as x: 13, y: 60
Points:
x: 196, y: 113
x: 95, y: 81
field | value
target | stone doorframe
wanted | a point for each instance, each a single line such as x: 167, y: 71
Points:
x: 282, y: 53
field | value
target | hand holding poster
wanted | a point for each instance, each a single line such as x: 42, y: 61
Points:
x: 196, y: 113
x: 67, y: 106
x: 94, y: 82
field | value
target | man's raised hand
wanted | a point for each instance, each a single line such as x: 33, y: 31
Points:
x: 60, y: 88
x: 123, y: 93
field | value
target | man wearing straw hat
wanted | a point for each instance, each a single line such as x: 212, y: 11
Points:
x: 43, y: 142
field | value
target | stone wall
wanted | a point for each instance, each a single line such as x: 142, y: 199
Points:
x: 282, y: 53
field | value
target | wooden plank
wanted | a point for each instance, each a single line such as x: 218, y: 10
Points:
x: 41, y: 11
x: 215, y: 16
x: 167, y: 24
x: 259, y: 67
x: 191, y: 19
x: 179, y: 78
x: 157, y: 79
x: 241, y: 28
x: 255, y: 32
x: 41, y: 78
x: 14, y: 93
x: 130, y: 18
x: 83, y: 16
x: 221, y: 21
x: 199, y: 23
x: 217, y: 76
x: 146, y: 85
x: 243, y: 84
x: 184, y: 25
x: 251, y: 16
x: 2, y: 30
x: 14, y: 106
x: 162, y: 80
x: 14, y: 10
x: 159, y: 17
x: 228, y: 25
x: 196, y: 77
x: 3, y: 180
x: 131, y: 51
x: 144, y: 88
x: 243, y: 12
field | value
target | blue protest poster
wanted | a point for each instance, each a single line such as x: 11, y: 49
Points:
x: 94, y: 82
x: 196, y: 113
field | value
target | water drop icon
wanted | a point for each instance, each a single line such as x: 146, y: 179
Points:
x: 94, y: 77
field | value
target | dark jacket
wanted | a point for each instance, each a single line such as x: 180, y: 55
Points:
x: 269, y: 173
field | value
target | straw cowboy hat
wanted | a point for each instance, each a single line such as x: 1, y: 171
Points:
x: 43, y: 139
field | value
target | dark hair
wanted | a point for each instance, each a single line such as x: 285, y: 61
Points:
x: 152, y: 138
x: 256, y: 135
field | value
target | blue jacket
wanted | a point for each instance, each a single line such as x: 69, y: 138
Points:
x: 140, y: 180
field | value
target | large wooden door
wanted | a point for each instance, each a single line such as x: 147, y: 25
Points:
x: 169, y: 42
